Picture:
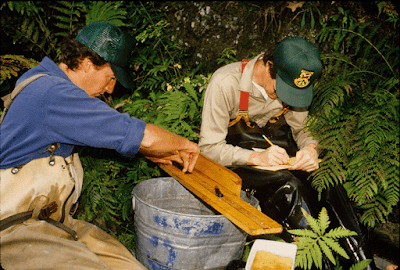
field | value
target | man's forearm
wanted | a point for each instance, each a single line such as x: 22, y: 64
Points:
x: 160, y: 142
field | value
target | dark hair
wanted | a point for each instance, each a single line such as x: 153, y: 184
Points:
x: 73, y: 52
x: 268, y: 56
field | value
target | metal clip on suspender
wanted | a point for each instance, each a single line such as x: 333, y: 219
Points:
x: 51, y: 149
x: 243, y: 104
x: 52, y: 160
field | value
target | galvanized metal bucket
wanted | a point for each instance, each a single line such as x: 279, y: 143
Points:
x: 176, y: 230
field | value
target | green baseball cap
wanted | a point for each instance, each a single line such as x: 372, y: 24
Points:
x: 111, y: 44
x: 298, y: 65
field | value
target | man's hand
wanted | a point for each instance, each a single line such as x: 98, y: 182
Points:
x: 274, y: 155
x: 162, y: 146
x: 306, y: 159
x: 187, y: 159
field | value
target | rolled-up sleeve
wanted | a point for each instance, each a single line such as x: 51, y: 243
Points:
x: 73, y: 117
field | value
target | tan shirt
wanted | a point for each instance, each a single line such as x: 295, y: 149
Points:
x: 221, y: 105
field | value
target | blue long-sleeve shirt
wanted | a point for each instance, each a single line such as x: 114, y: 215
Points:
x: 52, y: 109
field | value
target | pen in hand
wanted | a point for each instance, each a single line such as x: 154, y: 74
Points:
x: 291, y: 160
x: 265, y: 138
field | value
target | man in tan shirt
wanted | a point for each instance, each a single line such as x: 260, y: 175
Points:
x: 283, y: 75
x: 221, y: 105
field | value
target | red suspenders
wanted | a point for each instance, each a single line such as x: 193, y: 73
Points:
x: 244, y: 96
x: 243, y: 104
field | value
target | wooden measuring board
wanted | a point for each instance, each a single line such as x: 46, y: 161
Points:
x: 220, y: 188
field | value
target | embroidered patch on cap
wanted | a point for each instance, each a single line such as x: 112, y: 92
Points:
x: 304, y: 79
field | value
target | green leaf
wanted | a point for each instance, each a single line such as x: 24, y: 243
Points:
x: 303, y: 20
x: 327, y: 251
x: 100, y: 11
x: 312, y: 222
x: 335, y: 246
x: 303, y: 232
x: 361, y: 265
x: 323, y: 220
x: 339, y: 232
x: 312, y: 19
x: 189, y: 88
x: 192, y: 110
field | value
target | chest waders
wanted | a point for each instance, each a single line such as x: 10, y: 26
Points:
x: 38, y: 200
x: 283, y: 193
x: 24, y: 198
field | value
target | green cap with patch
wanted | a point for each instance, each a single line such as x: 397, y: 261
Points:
x: 298, y: 65
x: 111, y: 44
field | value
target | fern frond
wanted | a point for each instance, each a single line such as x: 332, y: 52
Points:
x: 305, y: 242
x: 314, y: 224
x: 339, y: 232
x: 326, y: 250
x: 323, y: 220
x: 326, y: 177
x: 100, y: 11
x: 335, y: 246
x: 10, y: 65
x: 317, y: 255
x: 361, y: 265
x: 303, y: 232
x: 308, y: 254
x: 67, y: 15
x: 312, y: 246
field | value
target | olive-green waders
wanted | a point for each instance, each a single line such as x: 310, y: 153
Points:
x: 37, y: 228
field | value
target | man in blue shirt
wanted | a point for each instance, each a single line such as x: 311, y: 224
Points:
x: 41, y: 179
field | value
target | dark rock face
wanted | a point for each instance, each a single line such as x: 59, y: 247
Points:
x: 205, y: 29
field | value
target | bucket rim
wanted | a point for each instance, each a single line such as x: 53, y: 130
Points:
x: 136, y: 197
x: 215, y: 216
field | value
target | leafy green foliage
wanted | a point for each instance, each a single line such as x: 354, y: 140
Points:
x: 361, y: 265
x: 39, y: 24
x: 178, y: 109
x: 67, y: 14
x: 308, y: 8
x: 313, y: 244
x: 111, y: 12
x: 227, y: 56
x: 108, y: 184
x: 355, y: 115
x: 157, y: 59
x: 106, y: 198
x: 12, y: 64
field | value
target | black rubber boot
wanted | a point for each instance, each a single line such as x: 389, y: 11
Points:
x: 342, y: 214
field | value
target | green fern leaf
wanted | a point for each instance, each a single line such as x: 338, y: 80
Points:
x: 314, y: 224
x: 316, y: 255
x: 361, y: 265
x: 106, y: 12
x: 303, y: 232
x: 339, y: 232
x: 335, y: 246
x: 311, y: 248
x: 326, y: 250
x: 10, y: 65
x: 323, y: 220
